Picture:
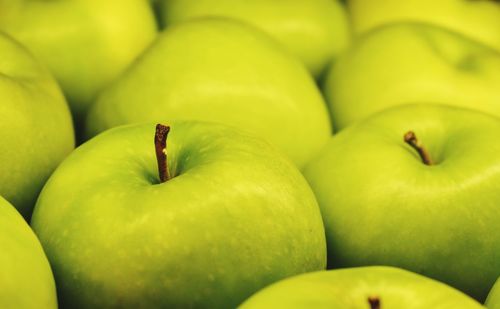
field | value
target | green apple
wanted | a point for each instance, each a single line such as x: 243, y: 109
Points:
x: 26, y: 281
x: 85, y: 43
x: 427, y: 202
x: 474, y: 18
x: 220, y: 70
x: 493, y: 300
x: 411, y: 63
x: 313, y: 30
x: 374, y: 287
x: 36, y: 132
x: 233, y: 217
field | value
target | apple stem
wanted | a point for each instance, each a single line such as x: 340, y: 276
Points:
x: 411, y: 139
x: 374, y: 302
x: 161, y: 151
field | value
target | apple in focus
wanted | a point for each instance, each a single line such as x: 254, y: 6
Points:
x: 416, y: 187
x: 226, y: 216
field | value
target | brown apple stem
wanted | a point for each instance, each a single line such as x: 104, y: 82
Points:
x: 411, y: 139
x: 161, y: 151
x: 374, y: 302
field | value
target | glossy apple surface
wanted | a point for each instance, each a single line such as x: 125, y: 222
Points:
x: 493, y: 300
x: 235, y: 217
x: 85, y: 43
x: 223, y: 71
x: 479, y: 20
x: 36, y: 132
x: 383, y: 206
x: 412, y: 63
x: 315, y: 31
x: 360, y: 288
x: 26, y: 281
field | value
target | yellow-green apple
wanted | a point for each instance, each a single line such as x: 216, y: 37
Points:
x: 411, y: 63
x: 478, y: 19
x: 493, y: 300
x: 85, y: 43
x: 36, y: 132
x: 417, y: 187
x: 374, y: 287
x: 227, y: 216
x: 313, y: 30
x: 26, y: 281
x: 220, y: 70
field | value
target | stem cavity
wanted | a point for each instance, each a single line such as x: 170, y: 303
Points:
x: 374, y: 302
x: 161, y: 151
x: 411, y: 139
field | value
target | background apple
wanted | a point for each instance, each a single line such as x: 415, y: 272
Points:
x: 35, y: 125
x: 220, y: 70
x: 382, y: 205
x: 477, y: 19
x: 25, y: 277
x: 234, y: 217
x: 360, y: 288
x: 85, y: 43
x: 313, y: 30
x: 493, y: 300
x: 412, y: 63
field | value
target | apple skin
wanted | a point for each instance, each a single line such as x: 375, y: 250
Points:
x: 224, y: 71
x: 235, y: 217
x: 382, y: 206
x: 411, y: 63
x: 350, y: 288
x: 26, y: 280
x: 36, y: 131
x: 85, y: 43
x: 315, y: 31
x: 493, y: 300
x: 479, y: 20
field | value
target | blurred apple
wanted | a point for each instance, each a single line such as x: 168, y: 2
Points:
x: 493, y: 300
x: 360, y: 288
x: 315, y: 31
x: 431, y: 207
x: 220, y: 70
x: 85, y: 43
x: 412, y: 63
x: 26, y: 280
x: 233, y: 216
x: 478, y: 19
x: 36, y: 132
